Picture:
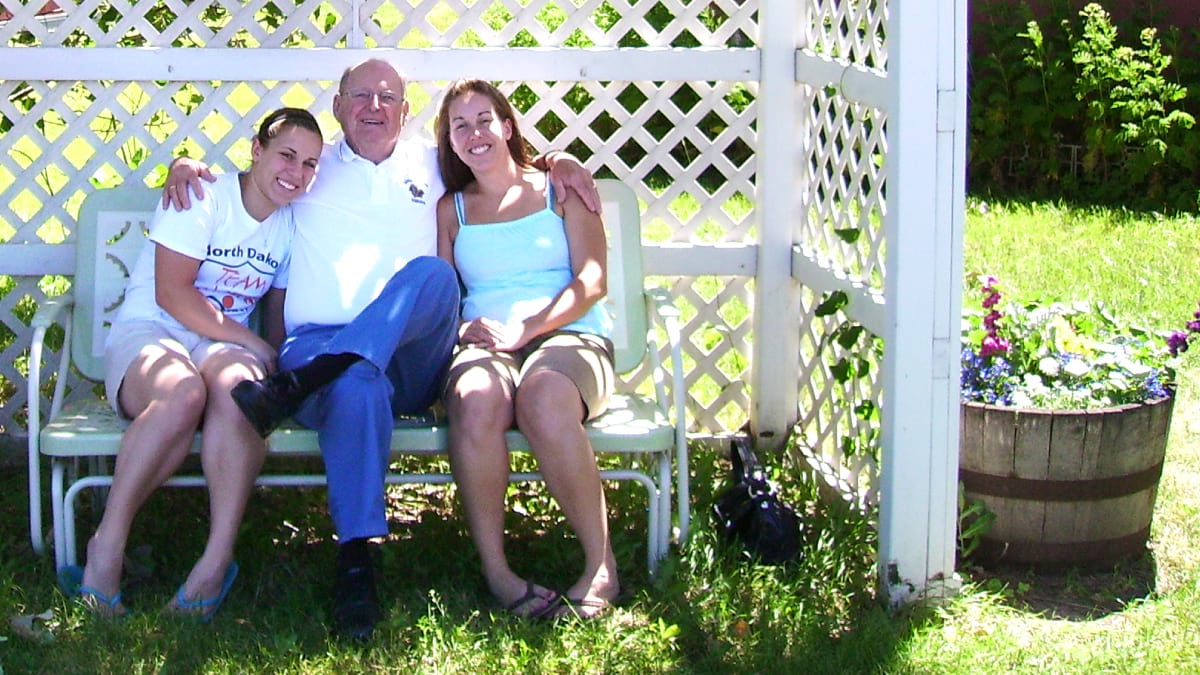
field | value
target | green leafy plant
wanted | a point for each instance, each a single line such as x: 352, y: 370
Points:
x: 1063, y: 356
x: 1022, y: 93
x: 858, y: 355
x: 974, y: 521
x: 1067, y: 102
x: 1129, y: 113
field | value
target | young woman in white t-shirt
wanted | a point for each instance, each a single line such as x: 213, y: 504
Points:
x: 181, y: 341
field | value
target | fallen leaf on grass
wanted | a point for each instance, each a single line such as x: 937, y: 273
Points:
x: 25, y: 626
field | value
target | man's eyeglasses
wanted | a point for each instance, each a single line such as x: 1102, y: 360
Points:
x: 387, y: 98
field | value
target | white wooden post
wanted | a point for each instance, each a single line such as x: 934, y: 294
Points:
x: 776, y: 352
x: 926, y: 135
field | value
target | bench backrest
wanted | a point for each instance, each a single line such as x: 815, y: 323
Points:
x: 111, y: 235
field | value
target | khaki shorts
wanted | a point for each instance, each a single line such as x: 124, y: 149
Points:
x: 127, y: 340
x: 585, y: 359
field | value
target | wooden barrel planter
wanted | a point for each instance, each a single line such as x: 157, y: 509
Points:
x: 1067, y: 487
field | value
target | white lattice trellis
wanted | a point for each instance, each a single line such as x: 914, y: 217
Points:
x: 131, y: 130
x: 325, y: 23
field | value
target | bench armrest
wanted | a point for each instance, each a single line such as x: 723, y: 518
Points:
x: 663, y: 313
x: 46, y: 315
x: 47, y: 312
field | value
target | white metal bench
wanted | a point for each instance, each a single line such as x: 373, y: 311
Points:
x: 80, y: 436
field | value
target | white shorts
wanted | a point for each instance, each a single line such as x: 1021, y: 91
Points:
x: 128, y: 339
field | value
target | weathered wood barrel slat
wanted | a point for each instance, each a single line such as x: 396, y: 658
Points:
x: 1067, y: 487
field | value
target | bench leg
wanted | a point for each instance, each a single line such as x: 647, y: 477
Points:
x: 70, y: 545
x: 657, y: 522
x: 653, y: 519
x: 664, y: 509
x: 57, y: 507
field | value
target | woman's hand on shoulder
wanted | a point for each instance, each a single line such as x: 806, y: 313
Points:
x: 570, y: 177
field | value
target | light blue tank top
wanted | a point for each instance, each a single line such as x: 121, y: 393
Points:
x: 514, y: 269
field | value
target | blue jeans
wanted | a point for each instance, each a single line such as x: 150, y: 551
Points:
x: 405, y: 337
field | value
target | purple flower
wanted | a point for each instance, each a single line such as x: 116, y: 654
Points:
x: 1154, y: 388
x: 991, y: 300
x: 1177, y: 342
x: 990, y: 320
x: 993, y: 344
x: 985, y: 380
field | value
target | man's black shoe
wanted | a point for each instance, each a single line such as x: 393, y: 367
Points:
x: 268, y: 402
x: 355, y: 604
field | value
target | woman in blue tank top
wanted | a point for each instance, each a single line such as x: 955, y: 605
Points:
x: 533, y: 344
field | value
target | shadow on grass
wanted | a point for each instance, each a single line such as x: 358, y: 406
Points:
x: 1073, y: 593
x: 707, y: 611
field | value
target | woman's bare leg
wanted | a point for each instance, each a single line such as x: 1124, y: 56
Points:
x: 549, y: 413
x: 165, y: 395
x: 480, y: 411
x: 232, y: 455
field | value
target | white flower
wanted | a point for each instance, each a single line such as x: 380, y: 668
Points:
x: 1049, y: 366
x: 1077, y: 367
x: 1022, y: 399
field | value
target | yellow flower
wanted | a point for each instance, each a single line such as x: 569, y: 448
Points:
x: 1067, y: 340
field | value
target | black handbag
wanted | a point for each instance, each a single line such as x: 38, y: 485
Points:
x: 752, y: 515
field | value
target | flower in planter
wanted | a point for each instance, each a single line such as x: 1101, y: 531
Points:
x: 1063, y: 356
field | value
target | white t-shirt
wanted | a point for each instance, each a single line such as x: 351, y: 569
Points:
x: 358, y: 225
x: 241, y: 258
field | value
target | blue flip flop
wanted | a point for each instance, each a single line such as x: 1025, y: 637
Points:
x: 70, y: 580
x: 209, y: 606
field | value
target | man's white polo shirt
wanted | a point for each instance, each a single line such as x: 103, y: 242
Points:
x: 358, y: 225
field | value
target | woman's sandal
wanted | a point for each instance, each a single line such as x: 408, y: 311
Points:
x: 552, y: 602
x: 70, y: 580
x: 208, y: 606
x: 577, y: 608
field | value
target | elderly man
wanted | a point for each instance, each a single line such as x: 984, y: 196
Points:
x: 371, y: 312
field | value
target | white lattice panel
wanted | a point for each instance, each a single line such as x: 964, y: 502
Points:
x: 444, y: 23
x: 845, y: 188
x: 838, y: 424
x: 176, y: 23
x: 849, y: 30
x: 669, y: 140
x: 593, y: 22
x: 91, y: 134
x: 717, y: 340
x: 840, y: 229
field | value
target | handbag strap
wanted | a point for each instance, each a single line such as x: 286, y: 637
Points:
x: 746, y: 466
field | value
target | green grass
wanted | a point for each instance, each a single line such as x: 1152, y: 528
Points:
x: 708, y: 611
x: 1142, y: 265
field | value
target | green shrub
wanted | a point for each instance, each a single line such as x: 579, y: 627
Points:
x: 1062, y: 106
